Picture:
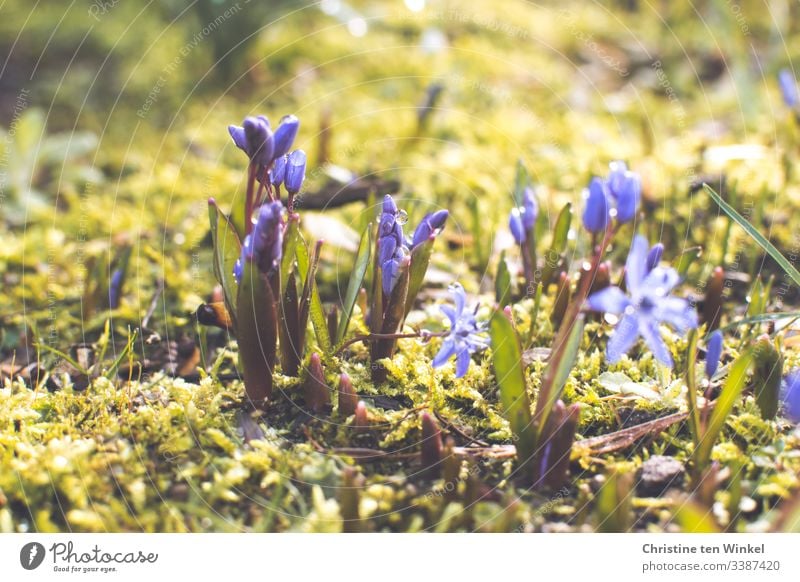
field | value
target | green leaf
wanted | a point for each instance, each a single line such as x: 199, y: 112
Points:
x: 290, y: 241
x: 502, y: 282
x: 559, y: 243
x: 564, y: 362
x: 768, y: 247
x: 316, y: 311
x: 687, y: 259
x: 763, y: 318
x: 734, y: 385
x: 227, y: 249
x: 694, y: 518
x: 510, y: 376
x: 420, y: 259
x: 355, y: 282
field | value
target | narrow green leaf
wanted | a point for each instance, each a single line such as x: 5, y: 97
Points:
x: 510, y: 376
x: 561, y: 229
x: 111, y: 371
x: 694, y: 518
x: 549, y: 394
x: 767, y: 246
x: 290, y: 241
x: 502, y: 282
x: 691, y: 387
x: 687, y: 259
x: 317, y: 313
x: 763, y: 318
x: 355, y: 282
x: 734, y: 385
x: 420, y: 259
x: 227, y: 249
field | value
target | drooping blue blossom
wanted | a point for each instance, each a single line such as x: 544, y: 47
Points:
x: 278, y: 171
x: 466, y: 337
x: 522, y: 220
x: 430, y: 226
x: 285, y: 135
x: 625, y: 189
x: 295, y: 171
x: 713, y: 353
x: 596, y: 213
x: 647, y: 307
x: 255, y: 138
x: 654, y: 256
x: 791, y: 395
x: 264, y: 245
x: 115, y: 288
x: 788, y: 85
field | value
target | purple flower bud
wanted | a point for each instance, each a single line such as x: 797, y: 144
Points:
x: 791, y: 396
x: 388, y: 246
x: 654, y: 256
x: 516, y: 226
x: 295, y: 171
x: 389, y: 205
x: 788, y: 86
x: 278, y: 172
x: 431, y: 225
x: 595, y: 216
x: 285, y: 135
x: 260, y: 143
x: 115, y: 288
x: 625, y: 189
x: 530, y: 209
x: 266, y: 241
x: 713, y: 353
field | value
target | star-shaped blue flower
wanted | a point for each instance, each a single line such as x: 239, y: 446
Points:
x: 791, y: 396
x: 648, y: 305
x: 466, y: 336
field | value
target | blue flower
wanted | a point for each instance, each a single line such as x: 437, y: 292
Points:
x: 791, y: 396
x: 713, y: 353
x: 115, y: 288
x: 430, y: 226
x: 523, y: 219
x: 596, y: 214
x: 263, y: 246
x: 392, y: 250
x: 466, y: 336
x: 788, y: 86
x: 654, y: 256
x: 646, y: 308
x: 295, y: 171
x: 625, y: 190
x: 255, y: 138
x: 278, y: 171
x: 285, y: 135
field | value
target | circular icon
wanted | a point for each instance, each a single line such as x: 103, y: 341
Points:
x: 31, y: 555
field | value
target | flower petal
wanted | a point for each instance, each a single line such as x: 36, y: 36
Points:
x: 462, y: 362
x: 459, y: 297
x: 654, y: 341
x: 610, y: 300
x: 636, y: 265
x: 237, y: 133
x: 450, y: 313
x: 677, y: 312
x: 447, y: 350
x: 624, y: 336
x: 660, y: 281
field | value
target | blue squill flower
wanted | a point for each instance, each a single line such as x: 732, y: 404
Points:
x: 625, y: 189
x: 522, y: 220
x: 791, y: 395
x: 285, y: 135
x: 713, y: 353
x: 115, y: 288
x: 647, y: 307
x: 596, y: 214
x: 392, y: 250
x: 278, y: 171
x: 264, y: 245
x: 430, y: 226
x: 466, y: 335
x: 788, y: 86
x: 255, y: 138
x: 295, y: 171
x: 654, y: 256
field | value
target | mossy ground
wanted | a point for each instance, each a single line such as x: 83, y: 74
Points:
x: 564, y: 90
